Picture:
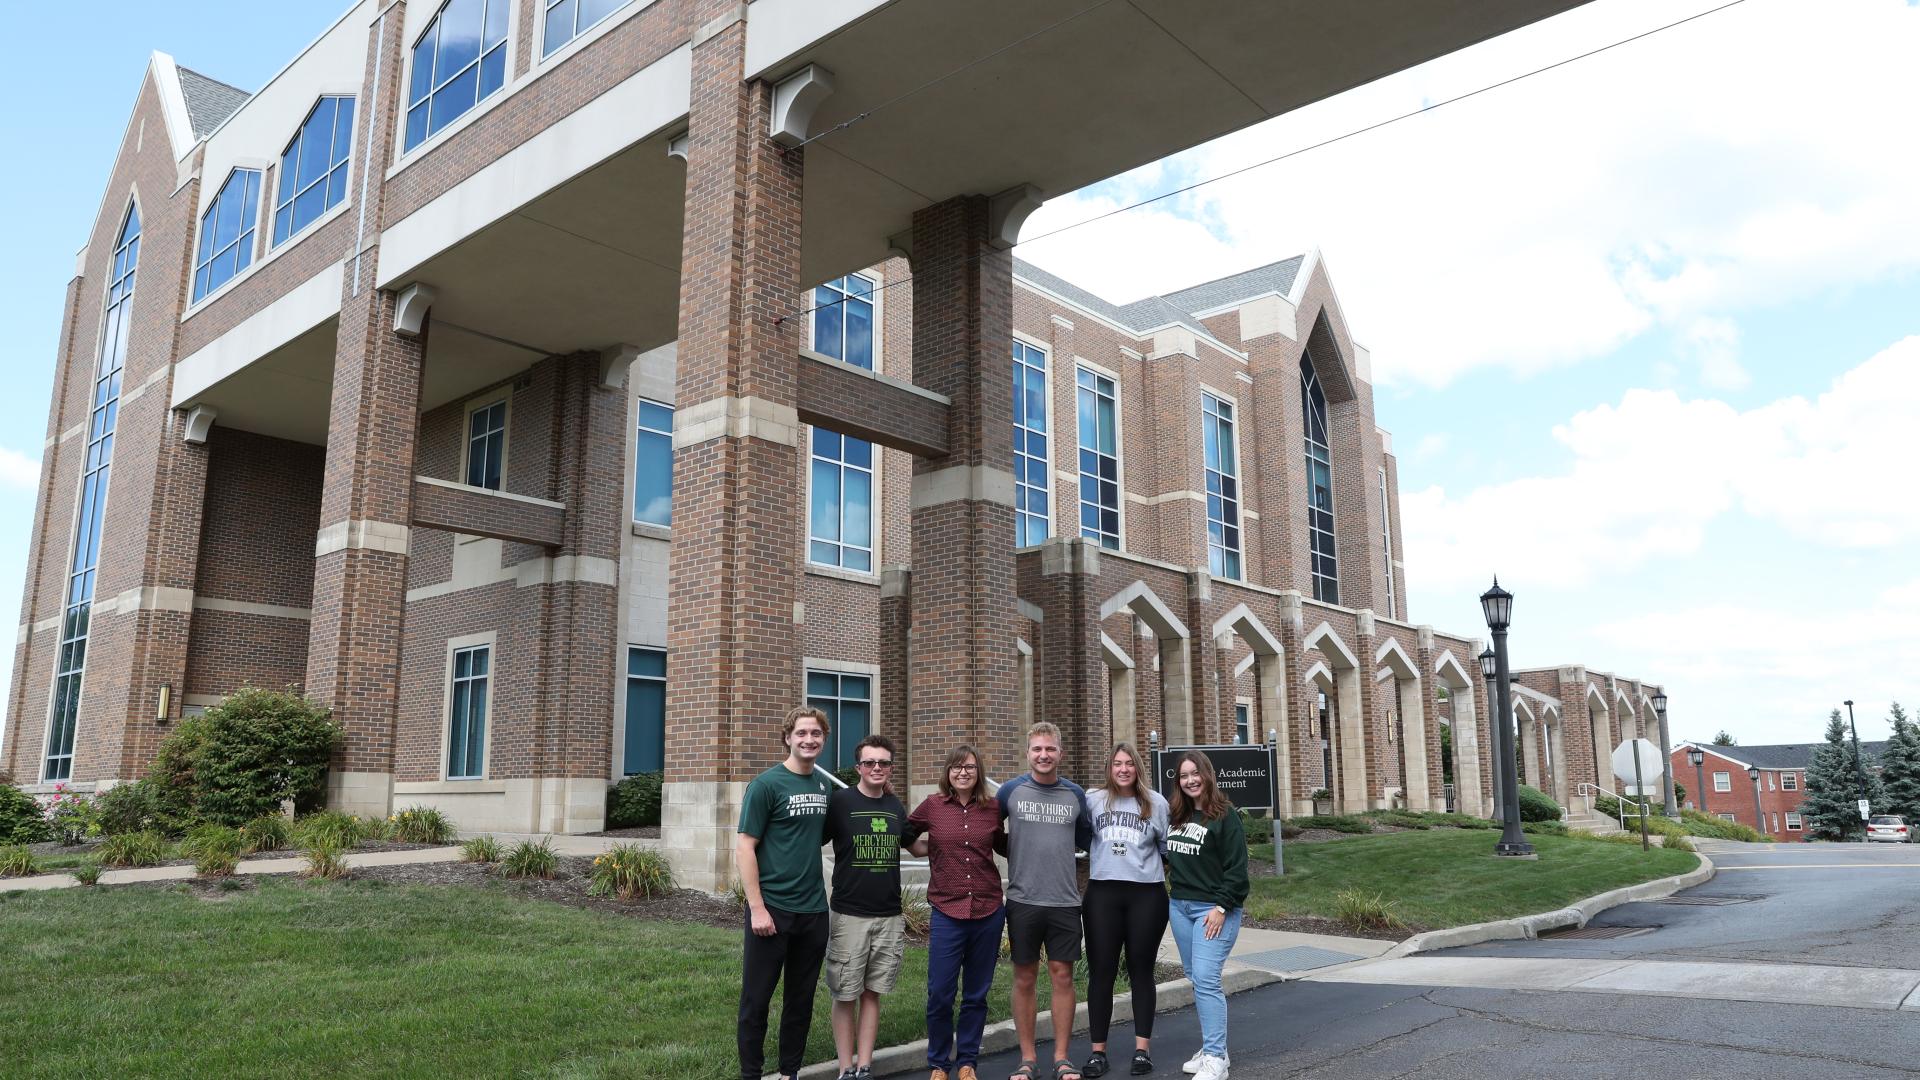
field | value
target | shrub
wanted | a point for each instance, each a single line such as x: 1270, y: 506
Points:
x: 268, y: 832
x: 135, y: 849
x: 1536, y: 805
x: 87, y: 873
x: 21, y: 820
x: 481, y: 849
x: 1474, y: 823
x: 1346, y: 823
x: 1701, y: 823
x: 143, y: 806
x: 1366, y: 910
x: 626, y: 870
x: 1259, y: 830
x: 421, y: 825
x: 1320, y: 793
x: 530, y: 860
x: 245, y: 756
x: 917, y: 913
x: 1545, y: 828
x: 17, y: 861
x: 634, y: 802
x: 1676, y: 842
x: 328, y: 828
x: 1288, y: 830
x: 326, y: 861
x: 70, y: 816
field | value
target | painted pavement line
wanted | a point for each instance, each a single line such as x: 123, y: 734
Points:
x: 1824, y: 866
x: 1789, y: 984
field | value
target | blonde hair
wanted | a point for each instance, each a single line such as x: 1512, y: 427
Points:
x: 801, y: 713
x: 1043, y: 728
x: 1141, y: 791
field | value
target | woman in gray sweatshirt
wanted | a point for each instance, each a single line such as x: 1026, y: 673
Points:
x: 1126, y: 902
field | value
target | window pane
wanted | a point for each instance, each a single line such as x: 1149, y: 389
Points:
x: 826, y: 443
x: 454, y: 98
x: 416, y: 124
x: 650, y: 662
x: 493, y: 70
x: 422, y: 81
x: 559, y: 29
x: 858, y: 523
x: 309, y: 206
x: 342, y: 131
x: 653, y: 479
x: 859, y: 452
x: 860, y: 333
x: 826, y: 501
x: 314, y: 140
x: 828, y: 325
x: 646, y: 726
x: 459, y: 37
x: 822, y: 684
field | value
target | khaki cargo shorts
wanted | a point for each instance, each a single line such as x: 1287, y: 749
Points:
x: 864, y: 954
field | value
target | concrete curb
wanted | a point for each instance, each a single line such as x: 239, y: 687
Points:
x: 1574, y: 915
x: 1170, y: 995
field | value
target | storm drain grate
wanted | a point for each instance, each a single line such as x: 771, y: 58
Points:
x: 1297, y: 958
x: 1706, y: 901
x: 1598, y: 933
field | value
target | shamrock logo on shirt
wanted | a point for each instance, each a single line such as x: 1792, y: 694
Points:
x: 878, y: 825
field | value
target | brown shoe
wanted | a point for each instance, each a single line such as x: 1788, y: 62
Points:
x: 937, y: 1074
x: 967, y: 1073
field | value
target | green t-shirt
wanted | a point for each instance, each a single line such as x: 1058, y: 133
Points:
x: 787, y: 813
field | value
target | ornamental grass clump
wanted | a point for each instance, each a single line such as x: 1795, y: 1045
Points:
x: 1366, y: 911
x: 917, y: 913
x: 213, y: 840
x: 328, y: 828
x: 17, y: 861
x: 420, y: 825
x: 480, y: 849
x: 627, y: 870
x: 142, y: 848
x: 531, y: 860
x: 326, y: 861
x: 87, y: 873
x: 268, y: 832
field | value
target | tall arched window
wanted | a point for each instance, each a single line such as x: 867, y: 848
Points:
x: 460, y: 60
x: 226, y: 232
x: 313, y: 167
x: 1326, y: 569
x: 71, y: 662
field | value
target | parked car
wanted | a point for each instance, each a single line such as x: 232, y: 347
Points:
x: 1888, y: 829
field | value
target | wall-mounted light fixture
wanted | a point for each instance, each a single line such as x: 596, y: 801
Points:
x: 166, y: 700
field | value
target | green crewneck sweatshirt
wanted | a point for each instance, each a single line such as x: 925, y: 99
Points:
x: 1207, y: 861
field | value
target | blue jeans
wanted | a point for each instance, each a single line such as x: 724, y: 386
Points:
x: 957, y: 948
x: 1203, y: 960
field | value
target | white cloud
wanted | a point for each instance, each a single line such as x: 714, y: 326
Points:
x: 1674, y: 182
x: 1648, y: 475
x: 1431, y: 446
x: 19, y: 471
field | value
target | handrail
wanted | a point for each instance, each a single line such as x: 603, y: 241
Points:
x: 1619, y: 799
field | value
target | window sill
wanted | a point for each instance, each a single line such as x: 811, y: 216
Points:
x: 450, y: 787
x: 652, y: 531
x: 862, y: 577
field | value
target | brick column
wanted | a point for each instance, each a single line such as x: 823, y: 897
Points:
x: 1071, y: 682
x: 1302, y: 704
x: 896, y: 648
x: 366, y: 499
x: 732, y: 656
x: 965, y: 681
x: 161, y: 631
x: 1375, y: 750
x: 1212, y: 701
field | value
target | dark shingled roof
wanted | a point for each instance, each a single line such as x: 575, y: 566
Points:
x: 209, y: 101
x: 1174, y: 308
x: 1791, y: 755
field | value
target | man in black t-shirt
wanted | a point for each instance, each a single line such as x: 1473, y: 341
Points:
x: 867, y: 935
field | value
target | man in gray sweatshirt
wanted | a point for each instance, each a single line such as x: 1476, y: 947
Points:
x: 1047, y: 821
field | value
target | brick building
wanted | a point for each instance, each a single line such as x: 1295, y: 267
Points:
x: 1726, y: 789
x: 561, y: 391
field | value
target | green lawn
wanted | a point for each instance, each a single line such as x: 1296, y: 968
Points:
x: 1447, y: 877
x: 297, y: 979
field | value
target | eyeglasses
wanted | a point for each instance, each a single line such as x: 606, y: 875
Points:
x: 963, y: 768
x: 875, y: 763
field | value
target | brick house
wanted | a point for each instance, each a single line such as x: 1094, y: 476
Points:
x: 1726, y: 790
x: 514, y: 382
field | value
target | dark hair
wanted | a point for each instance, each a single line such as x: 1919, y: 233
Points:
x: 878, y: 742
x: 1141, y: 788
x: 958, y: 756
x: 1212, y: 804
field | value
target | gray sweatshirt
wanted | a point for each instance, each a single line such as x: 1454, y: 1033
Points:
x: 1046, y: 824
x: 1127, y: 841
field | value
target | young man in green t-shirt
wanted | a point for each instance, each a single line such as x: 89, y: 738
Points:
x: 783, y: 819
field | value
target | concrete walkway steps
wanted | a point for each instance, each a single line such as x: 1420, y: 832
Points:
x: 1784, y: 984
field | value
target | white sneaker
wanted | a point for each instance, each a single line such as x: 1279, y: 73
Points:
x: 1199, y: 1058
x: 1212, y: 1068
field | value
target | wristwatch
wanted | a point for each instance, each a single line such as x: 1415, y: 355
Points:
x: 1218, y: 910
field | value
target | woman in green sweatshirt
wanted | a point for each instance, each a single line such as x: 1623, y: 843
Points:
x: 1207, y: 869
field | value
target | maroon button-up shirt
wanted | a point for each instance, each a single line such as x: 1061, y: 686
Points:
x: 963, y: 882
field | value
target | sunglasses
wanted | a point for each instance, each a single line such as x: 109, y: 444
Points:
x: 875, y: 763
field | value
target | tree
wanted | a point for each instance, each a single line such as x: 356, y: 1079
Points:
x: 1723, y: 738
x: 1832, y: 787
x: 1900, y: 769
x: 1446, y: 753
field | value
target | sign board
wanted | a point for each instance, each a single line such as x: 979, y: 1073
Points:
x: 1652, y: 767
x: 1864, y: 811
x: 1246, y: 775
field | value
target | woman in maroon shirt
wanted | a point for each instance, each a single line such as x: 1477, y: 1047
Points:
x: 959, y: 829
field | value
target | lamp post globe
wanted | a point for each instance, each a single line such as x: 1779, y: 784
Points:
x: 1488, y: 670
x: 1666, y: 754
x: 1699, y: 758
x: 1487, y: 660
x: 1497, y: 604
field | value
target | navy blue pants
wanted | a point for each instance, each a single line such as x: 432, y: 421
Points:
x: 959, y: 949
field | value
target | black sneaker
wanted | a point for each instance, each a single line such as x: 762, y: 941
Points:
x: 1142, y: 1063
x: 1097, y: 1065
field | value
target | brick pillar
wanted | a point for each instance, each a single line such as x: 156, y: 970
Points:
x: 1374, y: 703
x: 735, y: 560
x: 1212, y: 698
x: 161, y: 631
x: 1071, y: 684
x: 1302, y: 704
x: 573, y: 737
x: 964, y: 673
x: 896, y: 630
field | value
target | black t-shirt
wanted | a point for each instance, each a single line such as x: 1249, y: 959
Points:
x: 865, y: 834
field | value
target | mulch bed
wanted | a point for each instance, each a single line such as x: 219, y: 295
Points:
x: 638, y: 832
x: 1313, y: 924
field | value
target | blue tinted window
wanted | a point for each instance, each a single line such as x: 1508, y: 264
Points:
x: 460, y: 59
x: 843, y: 320
x: 313, y: 168
x: 848, y: 702
x: 71, y: 659
x: 1326, y: 567
x: 1099, y: 458
x: 840, y: 501
x: 467, y: 714
x: 226, y: 232
x: 653, y: 465
x: 1223, y: 487
x: 646, y: 742
x: 568, y: 19
x: 1031, y: 479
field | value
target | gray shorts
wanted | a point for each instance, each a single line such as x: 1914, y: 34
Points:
x: 864, y: 954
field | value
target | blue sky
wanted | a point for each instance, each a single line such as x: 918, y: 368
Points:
x: 1643, y: 328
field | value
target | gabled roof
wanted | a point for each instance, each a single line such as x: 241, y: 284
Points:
x: 1175, y: 309
x: 1259, y: 281
x: 1783, y: 755
x: 209, y: 101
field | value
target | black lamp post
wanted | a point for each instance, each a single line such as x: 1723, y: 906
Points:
x: 1497, y: 604
x: 1699, y: 758
x: 1666, y: 751
x: 1759, y: 816
x: 1488, y: 669
x: 1859, y: 763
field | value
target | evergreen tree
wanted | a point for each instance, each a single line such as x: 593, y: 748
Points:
x: 1724, y: 738
x: 1900, y: 769
x: 1830, y: 807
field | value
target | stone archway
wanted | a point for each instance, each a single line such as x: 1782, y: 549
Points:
x: 1267, y: 660
x: 1176, y: 659
x: 1553, y: 725
x: 1120, y: 699
x: 1600, y: 730
x: 1526, y: 724
x: 1351, y: 759
x: 1416, y: 782
x: 1464, y: 719
x: 1322, y: 688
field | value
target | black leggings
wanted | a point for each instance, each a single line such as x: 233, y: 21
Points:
x: 1129, y: 913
